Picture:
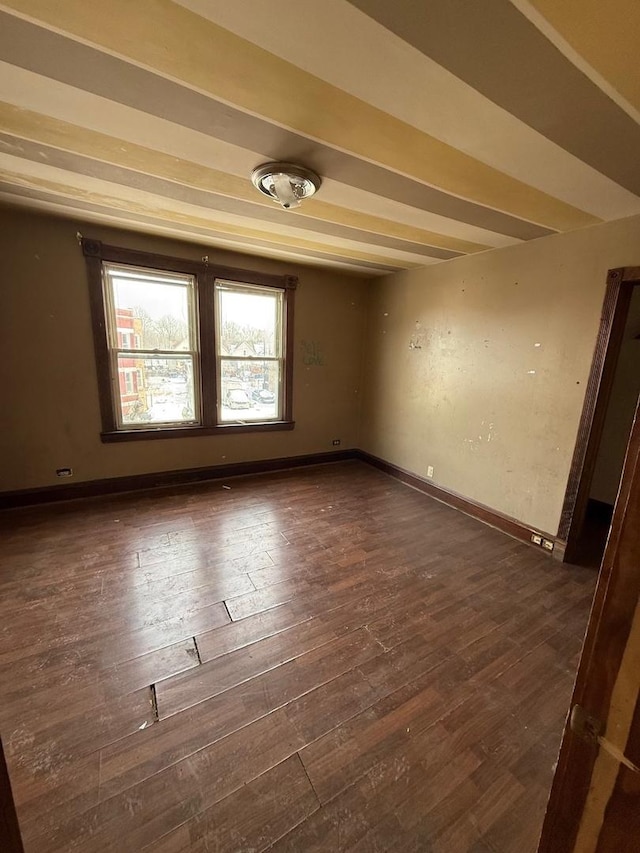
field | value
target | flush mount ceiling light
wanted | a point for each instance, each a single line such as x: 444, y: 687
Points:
x: 285, y: 183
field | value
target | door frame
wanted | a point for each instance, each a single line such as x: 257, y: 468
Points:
x: 608, y: 633
x: 620, y: 284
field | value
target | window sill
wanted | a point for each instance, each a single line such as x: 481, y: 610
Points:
x: 192, y: 431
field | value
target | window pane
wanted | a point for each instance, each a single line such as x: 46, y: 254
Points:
x: 155, y: 390
x: 152, y: 310
x: 250, y: 390
x: 249, y: 322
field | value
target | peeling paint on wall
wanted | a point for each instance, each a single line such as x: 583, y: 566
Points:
x: 418, y: 337
x: 490, y: 435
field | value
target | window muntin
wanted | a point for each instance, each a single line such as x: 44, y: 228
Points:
x: 153, y: 352
x: 250, y: 347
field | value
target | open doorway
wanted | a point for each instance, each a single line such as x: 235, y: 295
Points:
x: 605, y: 426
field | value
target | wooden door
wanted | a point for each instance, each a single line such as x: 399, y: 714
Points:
x: 594, y: 805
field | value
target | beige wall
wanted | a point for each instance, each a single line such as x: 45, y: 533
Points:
x: 621, y: 409
x: 478, y: 366
x: 451, y: 377
x: 49, y: 415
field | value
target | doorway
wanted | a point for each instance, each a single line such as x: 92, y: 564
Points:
x: 605, y: 425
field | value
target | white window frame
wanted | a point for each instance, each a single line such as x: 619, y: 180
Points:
x: 222, y: 286
x: 111, y: 271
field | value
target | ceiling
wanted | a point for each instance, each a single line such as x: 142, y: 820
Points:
x: 440, y: 128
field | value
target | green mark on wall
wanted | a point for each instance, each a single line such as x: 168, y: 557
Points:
x: 312, y: 353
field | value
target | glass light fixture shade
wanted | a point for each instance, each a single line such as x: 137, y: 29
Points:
x: 285, y: 183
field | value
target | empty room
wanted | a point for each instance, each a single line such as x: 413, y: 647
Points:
x: 320, y: 471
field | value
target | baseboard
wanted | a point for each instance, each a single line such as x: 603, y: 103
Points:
x: 137, y: 482
x: 483, y: 513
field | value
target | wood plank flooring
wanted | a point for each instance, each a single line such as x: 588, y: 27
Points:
x: 316, y: 660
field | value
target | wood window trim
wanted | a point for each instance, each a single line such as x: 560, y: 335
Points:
x: 205, y: 274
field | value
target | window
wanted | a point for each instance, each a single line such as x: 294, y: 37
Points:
x: 186, y: 348
x: 129, y: 386
x: 152, y: 341
x: 249, y: 351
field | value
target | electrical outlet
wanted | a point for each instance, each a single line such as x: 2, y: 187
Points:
x: 64, y: 472
x: 547, y: 544
x: 430, y: 471
x: 536, y: 539
x: 335, y: 442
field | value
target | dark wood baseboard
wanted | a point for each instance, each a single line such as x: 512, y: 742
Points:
x: 589, y: 541
x: 138, y: 482
x: 483, y: 513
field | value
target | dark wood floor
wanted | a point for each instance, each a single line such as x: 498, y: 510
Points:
x: 319, y: 660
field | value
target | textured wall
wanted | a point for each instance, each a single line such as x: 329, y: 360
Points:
x: 49, y: 414
x: 478, y: 366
